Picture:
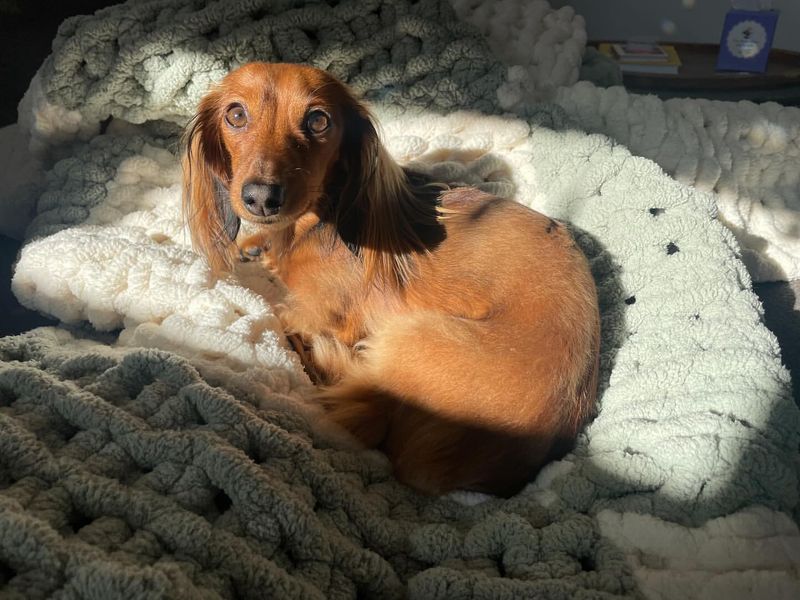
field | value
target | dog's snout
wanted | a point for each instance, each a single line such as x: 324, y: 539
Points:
x: 262, y: 199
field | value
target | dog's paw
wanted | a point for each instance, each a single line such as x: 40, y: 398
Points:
x: 253, y: 247
x: 249, y: 253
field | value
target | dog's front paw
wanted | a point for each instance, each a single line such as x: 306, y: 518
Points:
x: 249, y: 253
x: 253, y: 247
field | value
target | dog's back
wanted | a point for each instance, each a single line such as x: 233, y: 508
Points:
x: 488, y: 367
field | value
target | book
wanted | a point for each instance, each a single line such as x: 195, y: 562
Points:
x: 653, y: 69
x: 664, y: 62
x: 639, y: 52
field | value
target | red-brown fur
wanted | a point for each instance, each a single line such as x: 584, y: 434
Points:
x: 456, y: 331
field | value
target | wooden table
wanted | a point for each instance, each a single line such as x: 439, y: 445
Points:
x: 698, y: 78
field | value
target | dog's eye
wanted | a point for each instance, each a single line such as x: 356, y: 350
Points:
x: 236, y: 116
x: 317, y: 122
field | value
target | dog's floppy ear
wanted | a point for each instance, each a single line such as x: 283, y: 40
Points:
x: 206, y: 198
x: 378, y: 211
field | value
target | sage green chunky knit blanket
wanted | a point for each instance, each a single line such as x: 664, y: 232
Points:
x: 181, y: 455
x: 132, y: 474
x: 153, y: 60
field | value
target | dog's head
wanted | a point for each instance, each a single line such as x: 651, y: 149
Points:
x: 266, y: 145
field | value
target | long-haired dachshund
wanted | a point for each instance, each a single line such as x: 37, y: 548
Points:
x: 456, y: 331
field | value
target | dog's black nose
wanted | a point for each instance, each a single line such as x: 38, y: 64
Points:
x: 262, y: 199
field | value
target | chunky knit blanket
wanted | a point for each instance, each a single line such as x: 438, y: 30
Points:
x: 137, y: 474
x: 748, y: 155
x: 179, y: 456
